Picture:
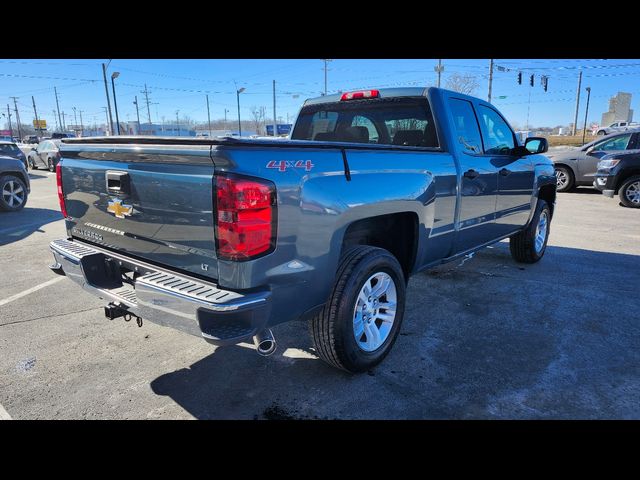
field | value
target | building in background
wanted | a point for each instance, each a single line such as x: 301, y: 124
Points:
x: 166, y: 130
x: 619, y: 110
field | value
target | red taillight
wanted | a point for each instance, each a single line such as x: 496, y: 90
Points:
x: 245, y: 222
x: 63, y: 208
x: 360, y: 94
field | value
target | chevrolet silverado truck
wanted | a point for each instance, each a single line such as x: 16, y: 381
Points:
x: 620, y: 173
x: 225, y: 238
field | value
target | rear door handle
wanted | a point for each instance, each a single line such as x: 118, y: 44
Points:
x: 504, y: 172
x: 472, y: 174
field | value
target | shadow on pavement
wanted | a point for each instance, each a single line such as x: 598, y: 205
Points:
x: 487, y: 339
x: 15, y: 226
x: 37, y: 176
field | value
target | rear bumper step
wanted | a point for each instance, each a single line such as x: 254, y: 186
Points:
x: 194, y: 306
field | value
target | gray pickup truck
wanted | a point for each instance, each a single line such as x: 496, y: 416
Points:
x: 226, y: 238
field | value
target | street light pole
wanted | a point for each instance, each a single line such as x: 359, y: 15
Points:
x: 225, y: 118
x: 106, y: 89
x: 584, y: 131
x: 115, y: 75
x: 75, y: 117
x: 178, y: 122
x: 238, y: 92
x: 137, y: 113
x: 209, y: 116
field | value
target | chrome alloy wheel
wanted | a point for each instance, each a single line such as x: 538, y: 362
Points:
x: 13, y: 193
x: 375, y: 311
x: 633, y: 192
x: 541, y: 231
x: 561, y: 179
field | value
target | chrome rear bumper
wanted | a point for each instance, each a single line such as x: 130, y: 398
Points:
x: 194, y: 306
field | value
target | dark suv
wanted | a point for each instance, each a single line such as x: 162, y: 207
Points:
x: 620, y: 173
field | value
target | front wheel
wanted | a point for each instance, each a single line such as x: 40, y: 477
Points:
x: 529, y: 245
x: 601, y: 132
x: 32, y: 164
x: 360, y: 322
x: 52, y: 167
x: 629, y: 192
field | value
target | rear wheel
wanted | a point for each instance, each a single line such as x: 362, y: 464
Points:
x: 32, y: 164
x: 564, y: 179
x: 13, y: 193
x: 629, y: 192
x: 529, y: 245
x: 360, y: 322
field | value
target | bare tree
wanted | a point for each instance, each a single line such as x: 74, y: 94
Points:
x: 258, y: 115
x: 466, y: 84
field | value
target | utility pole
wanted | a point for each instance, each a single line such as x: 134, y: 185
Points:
x: 586, y: 113
x: 178, y: 122
x: 575, y: 118
x: 107, y: 116
x: 58, y: 106
x: 225, y: 118
x: 9, y: 117
x: 146, y: 94
x: 106, y: 89
x: 64, y: 120
x: 209, y: 116
x: 275, y: 121
x: 75, y: 116
x: 135, y: 102
x: 38, y: 129
x: 15, y: 105
x: 490, y: 78
x: 81, y: 125
x: 439, y: 69
x: 326, y: 63
x: 55, y: 119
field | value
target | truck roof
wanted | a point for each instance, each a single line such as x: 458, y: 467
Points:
x: 384, y: 93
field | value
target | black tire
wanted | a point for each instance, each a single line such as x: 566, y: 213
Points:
x: 332, y: 329
x: 10, y: 184
x: 32, y: 163
x: 601, y: 132
x: 632, y: 183
x: 50, y: 165
x: 568, y: 173
x: 522, y: 244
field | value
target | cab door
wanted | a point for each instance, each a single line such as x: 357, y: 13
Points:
x: 515, y: 173
x: 478, y: 179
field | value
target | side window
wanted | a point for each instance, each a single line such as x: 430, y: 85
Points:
x: 466, y: 125
x: 360, y: 121
x: 497, y: 136
x: 618, y: 143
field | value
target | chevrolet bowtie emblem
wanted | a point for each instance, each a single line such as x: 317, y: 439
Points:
x: 118, y: 209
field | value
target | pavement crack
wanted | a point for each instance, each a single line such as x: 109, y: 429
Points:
x: 50, y: 316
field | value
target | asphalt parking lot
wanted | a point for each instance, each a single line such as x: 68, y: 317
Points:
x: 481, y: 338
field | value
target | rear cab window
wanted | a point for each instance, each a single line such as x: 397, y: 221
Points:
x: 399, y: 121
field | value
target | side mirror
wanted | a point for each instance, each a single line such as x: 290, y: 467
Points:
x: 589, y: 150
x: 536, y: 144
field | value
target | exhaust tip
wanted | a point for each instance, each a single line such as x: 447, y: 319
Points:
x: 265, y: 343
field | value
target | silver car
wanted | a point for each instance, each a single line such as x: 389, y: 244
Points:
x: 576, y: 166
x: 617, y: 127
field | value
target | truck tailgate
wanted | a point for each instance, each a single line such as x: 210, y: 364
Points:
x: 152, y: 202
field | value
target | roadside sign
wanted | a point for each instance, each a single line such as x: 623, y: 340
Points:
x: 40, y: 124
x: 283, y: 129
x: 6, y: 133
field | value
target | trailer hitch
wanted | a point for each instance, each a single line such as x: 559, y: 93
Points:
x: 113, y: 310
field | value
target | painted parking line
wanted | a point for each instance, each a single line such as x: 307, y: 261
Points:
x: 30, y: 290
x: 4, y: 415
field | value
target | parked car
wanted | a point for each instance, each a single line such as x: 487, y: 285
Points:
x: 576, y: 166
x: 62, y: 135
x: 617, y: 127
x: 224, y: 238
x: 14, y: 184
x: 620, y: 173
x: 10, y: 149
x: 46, y: 154
x: 32, y: 139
